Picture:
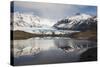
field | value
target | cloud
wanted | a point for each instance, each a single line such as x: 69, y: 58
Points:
x: 50, y: 11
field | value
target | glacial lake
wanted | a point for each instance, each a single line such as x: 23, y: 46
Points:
x: 46, y: 50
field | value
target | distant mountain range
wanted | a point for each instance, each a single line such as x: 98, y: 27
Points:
x: 25, y: 25
x: 30, y: 23
x: 77, y: 22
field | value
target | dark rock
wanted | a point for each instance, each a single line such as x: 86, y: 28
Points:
x: 65, y: 48
x: 89, y: 55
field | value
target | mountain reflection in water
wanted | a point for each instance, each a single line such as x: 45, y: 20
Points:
x: 49, y: 50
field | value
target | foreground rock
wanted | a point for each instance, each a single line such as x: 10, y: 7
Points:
x: 89, y: 55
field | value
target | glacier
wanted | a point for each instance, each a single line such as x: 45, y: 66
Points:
x: 33, y: 24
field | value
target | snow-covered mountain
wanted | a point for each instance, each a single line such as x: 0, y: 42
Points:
x: 28, y: 22
x: 21, y: 20
x: 33, y: 24
x: 77, y: 22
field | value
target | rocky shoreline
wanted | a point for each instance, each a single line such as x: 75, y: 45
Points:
x: 87, y: 35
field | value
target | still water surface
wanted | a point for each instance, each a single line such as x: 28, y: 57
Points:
x: 49, y: 50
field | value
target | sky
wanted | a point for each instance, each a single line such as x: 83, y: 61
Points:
x: 52, y: 11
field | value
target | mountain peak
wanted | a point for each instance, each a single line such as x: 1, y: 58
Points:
x: 79, y: 17
x: 77, y: 22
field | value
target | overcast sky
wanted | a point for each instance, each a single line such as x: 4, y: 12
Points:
x: 53, y: 11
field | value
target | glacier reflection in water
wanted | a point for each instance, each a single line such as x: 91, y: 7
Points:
x: 49, y: 50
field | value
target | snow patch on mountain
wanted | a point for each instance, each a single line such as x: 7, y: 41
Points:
x: 77, y: 22
x: 29, y: 20
x: 79, y: 17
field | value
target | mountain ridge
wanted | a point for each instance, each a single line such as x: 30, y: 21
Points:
x: 26, y: 20
x: 77, y: 22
